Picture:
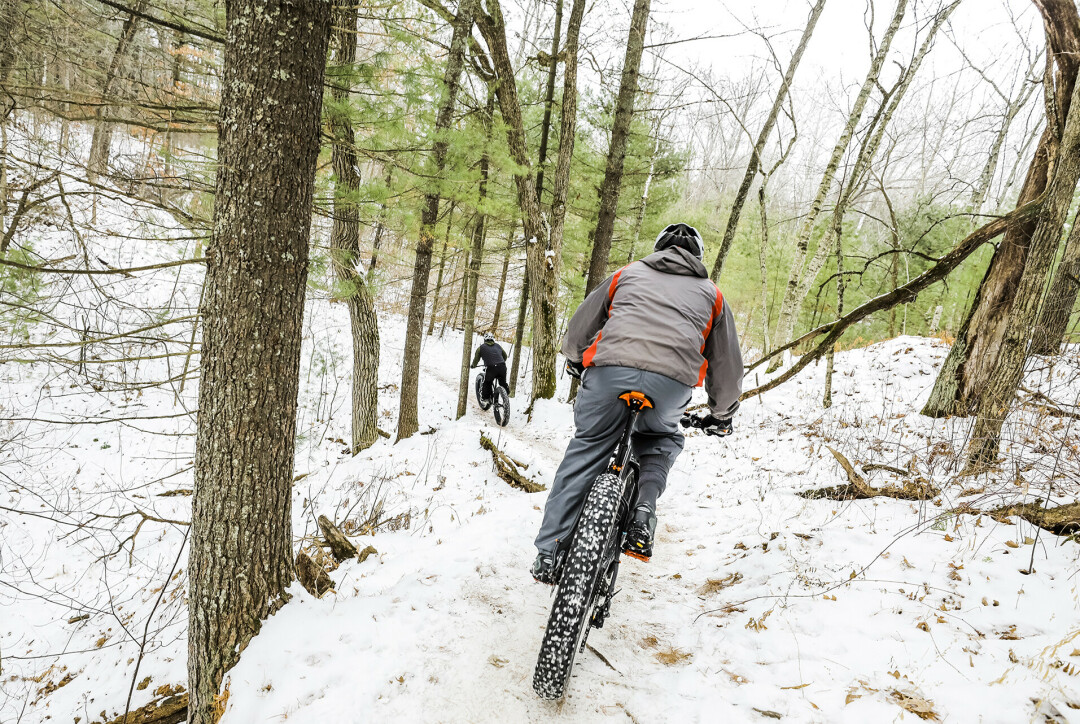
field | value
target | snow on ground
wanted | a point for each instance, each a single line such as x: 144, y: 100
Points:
x: 757, y: 602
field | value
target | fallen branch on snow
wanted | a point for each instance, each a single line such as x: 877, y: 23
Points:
x: 508, y: 469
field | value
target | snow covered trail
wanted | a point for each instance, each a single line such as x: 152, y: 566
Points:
x: 757, y: 602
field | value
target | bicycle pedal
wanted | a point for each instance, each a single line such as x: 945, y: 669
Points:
x: 638, y: 556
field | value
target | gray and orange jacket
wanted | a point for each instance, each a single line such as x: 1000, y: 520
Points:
x: 662, y: 314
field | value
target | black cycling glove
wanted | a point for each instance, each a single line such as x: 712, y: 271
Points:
x: 574, y: 369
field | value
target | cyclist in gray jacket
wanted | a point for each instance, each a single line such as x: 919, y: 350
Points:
x: 659, y: 326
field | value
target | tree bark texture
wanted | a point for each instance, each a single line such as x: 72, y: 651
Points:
x: 611, y: 186
x: 789, y: 308
x: 345, y: 242
x: 967, y: 369
x: 102, y: 138
x: 410, y: 368
x: 256, y: 271
x: 442, y: 270
x: 1060, y: 299
x: 380, y: 225
x: 759, y: 145
x: 545, y: 271
x: 496, y: 317
x: 476, y: 258
x: 519, y: 334
x: 1008, y: 370
x: 549, y: 101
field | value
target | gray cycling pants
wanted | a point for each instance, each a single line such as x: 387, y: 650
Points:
x: 599, y: 416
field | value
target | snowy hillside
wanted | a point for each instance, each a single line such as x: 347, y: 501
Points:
x: 758, y: 604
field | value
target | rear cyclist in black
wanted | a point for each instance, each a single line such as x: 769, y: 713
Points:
x: 494, y: 358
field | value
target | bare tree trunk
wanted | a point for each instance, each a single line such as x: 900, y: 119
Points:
x: 545, y: 319
x: 1002, y: 383
x: 789, y: 308
x: 345, y: 242
x: 7, y: 100
x: 643, y: 202
x: 380, y: 225
x: 759, y: 146
x: 410, y: 368
x: 549, y: 102
x: 830, y: 355
x: 965, y: 375
x: 102, y: 138
x: 471, y: 282
x: 611, y: 187
x: 519, y: 333
x: 502, y: 282
x: 442, y: 268
x: 256, y: 271
x: 1060, y: 300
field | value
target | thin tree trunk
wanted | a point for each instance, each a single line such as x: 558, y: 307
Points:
x: 763, y: 268
x: 502, y: 281
x: 256, y: 271
x: 345, y: 241
x: 410, y: 368
x: 1008, y: 370
x: 549, y: 101
x: 643, y: 203
x: 7, y: 99
x: 1060, y: 300
x: 789, y: 308
x: 519, y: 333
x: 442, y: 268
x: 965, y: 374
x: 380, y: 225
x: 611, y: 187
x: 759, y: 145
x: 476, y: 258
x: 830, y: 356
x: 102, y: 138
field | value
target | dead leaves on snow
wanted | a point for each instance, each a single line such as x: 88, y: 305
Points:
x: 910, y: 700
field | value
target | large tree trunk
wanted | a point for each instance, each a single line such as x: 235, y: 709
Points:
x: 256, y: 271
x: 549, y: 102
x: 1060, y: 299
x: 1007, y: 372
x: 476, y: 257
x: 519, y: 334
x: 410, y: 368
x: 966, y: 372
x: 611, y: 186
x: 345, y: 241
x: 546, y: 281
x: 789, y: 308
x: 103, y: 129
x: 759, y: 146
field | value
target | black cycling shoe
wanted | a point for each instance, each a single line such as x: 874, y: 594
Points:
x: 639, y: 539
x: 543, y: 568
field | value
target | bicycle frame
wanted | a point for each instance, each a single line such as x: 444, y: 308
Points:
x: 622, y: 464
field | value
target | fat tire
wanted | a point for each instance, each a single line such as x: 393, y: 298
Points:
x: 574, y: 601
x: 479, y: 386
x: 502, y: 405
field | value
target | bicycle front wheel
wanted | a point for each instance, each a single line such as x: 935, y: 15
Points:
x: 575, y: 596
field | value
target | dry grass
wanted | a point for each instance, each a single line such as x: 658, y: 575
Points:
x: 672, y: 656
x: 715, y: 585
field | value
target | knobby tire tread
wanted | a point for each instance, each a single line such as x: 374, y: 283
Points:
x: 574, y: 597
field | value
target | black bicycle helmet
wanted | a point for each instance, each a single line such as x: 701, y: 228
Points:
x: 683, y: 236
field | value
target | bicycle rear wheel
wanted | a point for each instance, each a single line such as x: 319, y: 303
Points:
x: 575, y: 596
x: 480, y: 400
x: 502, y: 405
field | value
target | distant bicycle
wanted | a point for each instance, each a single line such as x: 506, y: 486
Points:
x: 500, y: 399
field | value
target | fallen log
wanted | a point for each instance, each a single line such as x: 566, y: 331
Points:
x: 312, y: 576
x: 167, y: 710
x: 507, y: 469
